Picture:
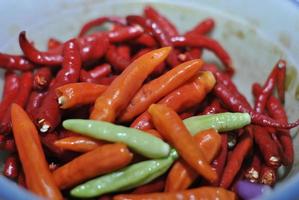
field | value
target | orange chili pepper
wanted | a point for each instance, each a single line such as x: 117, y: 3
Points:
x: 112, y: 157
x: 75, y: 94
x: 119, y: 93
x: 158, y: 88
x: 198, y: 193
x: 181, y: 174
x: 38, y: 177
x: 184, y: 97
x: 79, y: 143
x: 169, y: 124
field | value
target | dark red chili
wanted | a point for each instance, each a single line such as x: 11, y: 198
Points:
x: 125, y: 33
x: 193, y: 53
x: 53, y: 43
x: 89, y: 46
x: 34, y: 102
x: 146, y: 40
x: 42, y: 78
x: 124, y: 51
x: 117, y: 61
x: 96, y: 73
x: 208, y: 43
x: 267, y: 146
x: 267, y: 89
x: 10, y: 91
x: 220, y: 161
x: 234, y: 103
x: 99, y: 21
x: 213, y: 107
x: 26, y: 82
x: 15, y: 62
x: 49, y: 116
x: 161, y: 20
x: 10, y: 145
x: 203, y: 27
x: 11, y: 167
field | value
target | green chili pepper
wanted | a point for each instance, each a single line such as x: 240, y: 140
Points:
x: 125, y: 179
x: 139, y: 141
x: 221, y: 122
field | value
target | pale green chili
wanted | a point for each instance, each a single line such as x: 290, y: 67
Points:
x: 141, y: 142
x: 125, y: 179
x: 222, y: 122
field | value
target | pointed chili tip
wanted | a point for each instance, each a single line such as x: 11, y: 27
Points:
x: 281, y: 64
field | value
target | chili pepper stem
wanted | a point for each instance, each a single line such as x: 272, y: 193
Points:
x: 61, y: 100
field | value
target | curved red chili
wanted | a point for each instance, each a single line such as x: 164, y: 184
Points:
x: 203, y: 27
x: 90, y: 50
x: 206, y: 42
x: 49, y: 116
x: 146, y: 40
x: 15, y: 62
x: 34, y: 102
x: 124, y: 34
x: 99, y: 21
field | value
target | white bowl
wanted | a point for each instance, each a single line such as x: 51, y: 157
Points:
x: 256, y: 34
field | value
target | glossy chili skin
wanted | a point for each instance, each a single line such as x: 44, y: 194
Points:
x: 186, y: 96
x: 159, y: 87
x: 171, y: 127
x: 10, y: 90
x: 93, y: 75
x: 88, y: 46
x: 48, y: 116
x: 15, y: 62
x: 34, y: 102
x: 118, y: 95
x: 28, y: 144
x: 206, y: 42
x: 26, y: 82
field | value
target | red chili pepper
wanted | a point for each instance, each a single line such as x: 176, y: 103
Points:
x: 161, y: 20
x: 193, y: 53
x: 203, y: 27
x: 234, y: 103
x: 34, y: 102
x: 124, y: 51
x: 21, y: 98
x: 90, y: 50
x: 146, y: 40
x: 252, y: 173
x: 267, y: 146
x: 281, y: 77
x: 11, y: 167
x: 53, y: 43
x: 93, y: 75
x: 155, y: 186
x: 267, y: 175
x: 124, y: 34
x: 277, y: 111
x: 267, y: 89
x: 116, y: 60
x: 235, y: 160
x: 10, y: 90
x: 42, y: 78
x: 159, y: 34
x: 206, y: 42
x: 220, y: 161
x: 15, y: 62
x: 49, y: 114
x: 99, y: 21
x: 213, y: 107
